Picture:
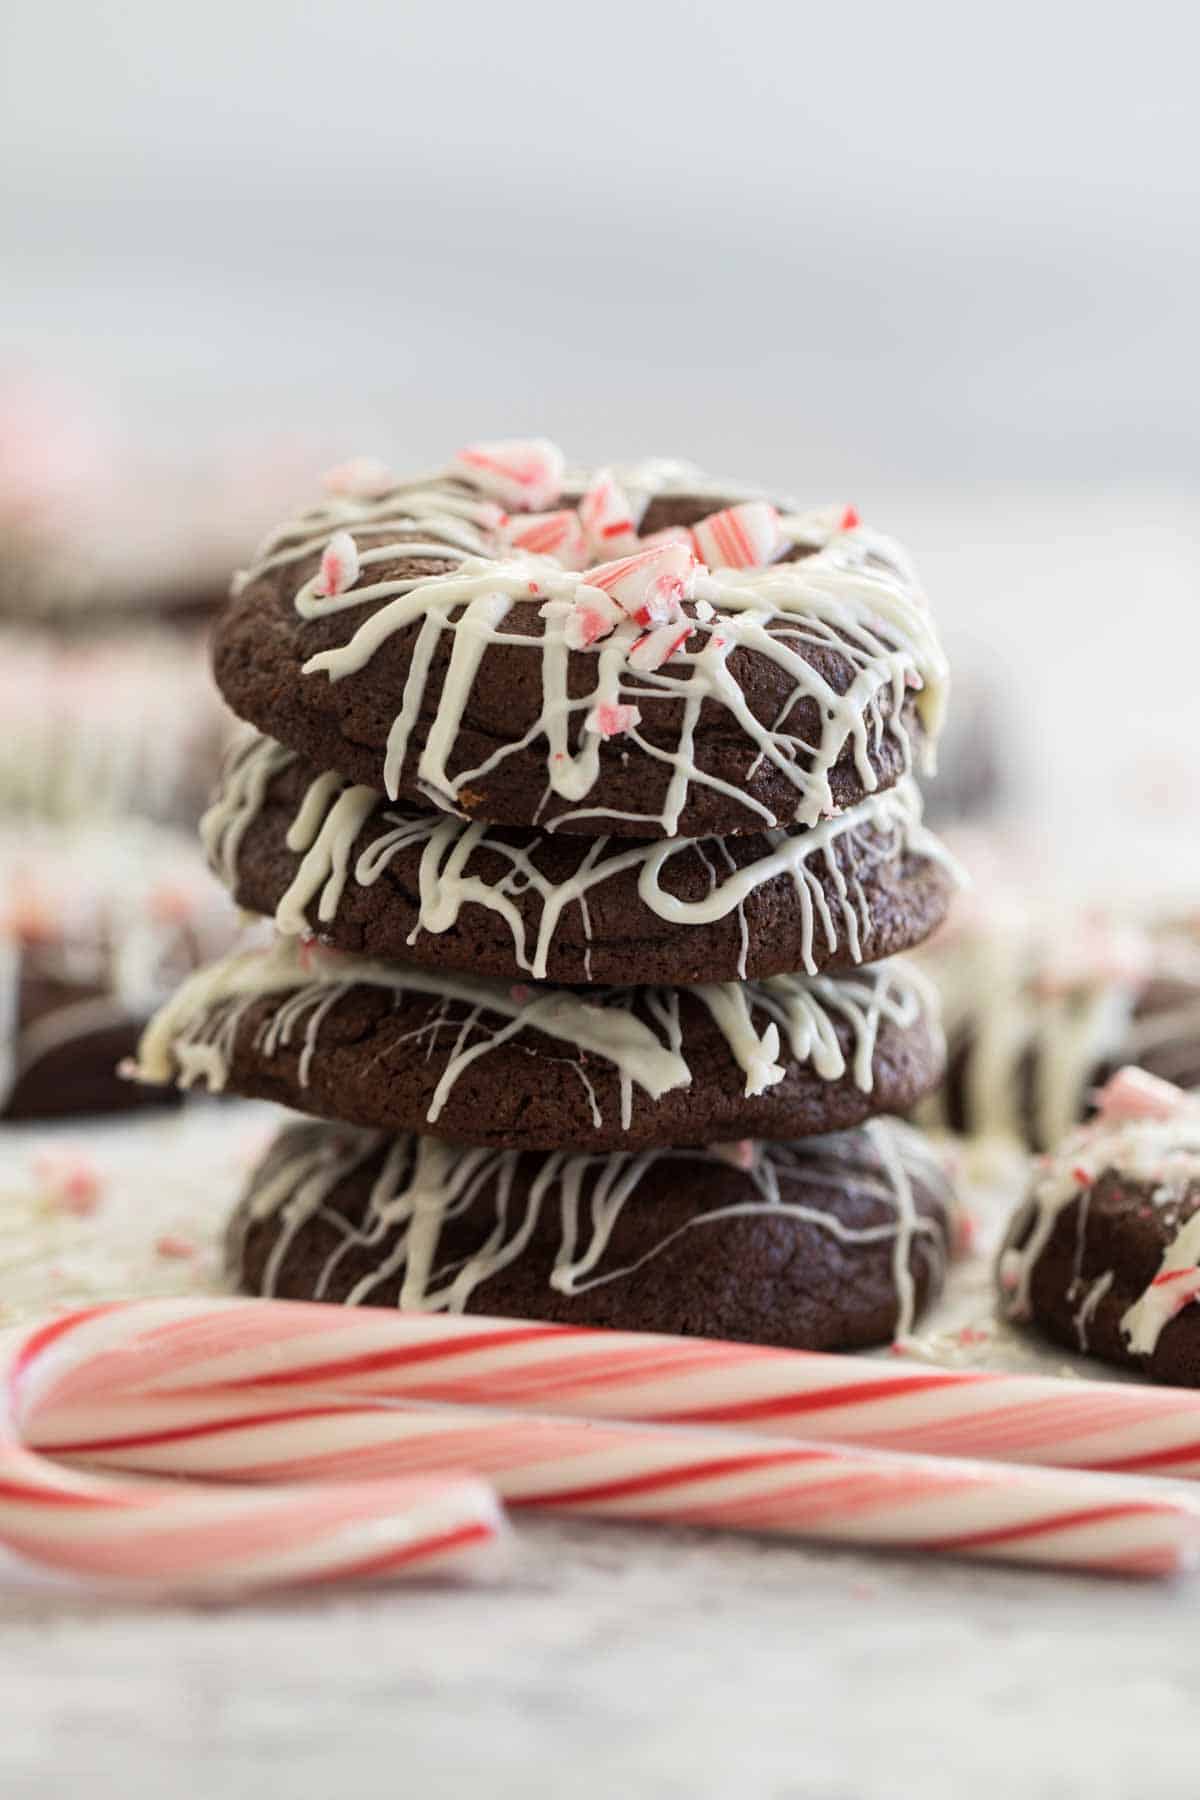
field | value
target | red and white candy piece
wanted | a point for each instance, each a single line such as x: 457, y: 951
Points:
x: 650, y: 586
x: 585, y: 620
x: 557, y: 534
x: 739, y: 1153
x: 670, y: 534
x: 659, y: 646
x: 360, y: 478
x: 524, y: 474
x: 814, y: 529
x: 607, y: 517
x: 71, y: 1181
x: 611, y: 719
x: 1133, y: 1094
x: 339, y: 566
x: 740, y: 537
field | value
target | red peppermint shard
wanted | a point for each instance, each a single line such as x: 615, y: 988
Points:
x: 607, y: 517
x: 670, y: 534
x: 1134, y: 1094
x: 649, y: 586
x: 339, y: 566
x: 611, y: 718
x: 556, y: 534
x: 659, y: 646
x: 741, y: 537
x: 361, y: 478
x: 523, y: 474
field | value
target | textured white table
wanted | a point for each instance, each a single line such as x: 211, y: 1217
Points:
x: 613, y: 1660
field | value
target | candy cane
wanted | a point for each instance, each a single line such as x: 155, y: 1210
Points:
x: 258, y: 1391
x: 155, y: 1349
x: 184, y: 1536
x: 664, y: 1474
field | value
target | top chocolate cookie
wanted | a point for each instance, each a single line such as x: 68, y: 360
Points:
x: 467, y: 639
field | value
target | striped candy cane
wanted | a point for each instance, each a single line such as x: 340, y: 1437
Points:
x: 150, y: 1534
x: 170, y: 1411
x: 160, y: 1348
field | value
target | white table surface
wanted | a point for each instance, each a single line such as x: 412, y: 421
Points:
x: 610, y: 1660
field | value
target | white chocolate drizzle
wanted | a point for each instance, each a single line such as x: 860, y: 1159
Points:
x: 333, y: 812
x: 423, y: 1185
x: 637, y: 1031
x: 1161, y: 1157
x: 855, y: 596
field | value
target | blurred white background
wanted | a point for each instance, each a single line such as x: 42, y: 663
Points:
x: 939, y: 259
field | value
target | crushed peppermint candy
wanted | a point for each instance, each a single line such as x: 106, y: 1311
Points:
x: 170, y: 903
x: 591, y: 616
x: 650, y: 585
x: 558, y: 534
x: 814, y: 529
x: 70, y: 1182
x: 360, y: 478
x: 659, y: 646
x: 525, y: 474
x: 339, y: 566
x: 607, y: 517
x: 173, y: 1247
x: 739, y: 1154
x: 1133, y: 1093
x: 611, y: 718
x: 748, y: 536
x: 670, y: 534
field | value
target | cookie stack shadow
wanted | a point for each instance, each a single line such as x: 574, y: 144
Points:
x: 590, y: 885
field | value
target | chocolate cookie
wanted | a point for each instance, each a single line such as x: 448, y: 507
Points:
x: 403, y: 1048
x: 1104, y: 1256
x: 337, y: 860
x: 96, y: 927
x: 412, y: 641
x: 833, y: 1244
x: 63, y: 1050
x: 1036, y: 1018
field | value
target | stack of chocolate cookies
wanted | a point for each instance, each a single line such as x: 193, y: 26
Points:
x: 584, y: 809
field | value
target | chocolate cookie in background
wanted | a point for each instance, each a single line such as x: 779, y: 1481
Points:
x: 836, y: 1243
x: 610, y: 777
x: 1104, y: 1254
x: 325, y: 857
x: 97, y: 926
x: 1040, y: 1009
x: 99, y: 532
x: 975, y: 781
x: 114, y: 726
